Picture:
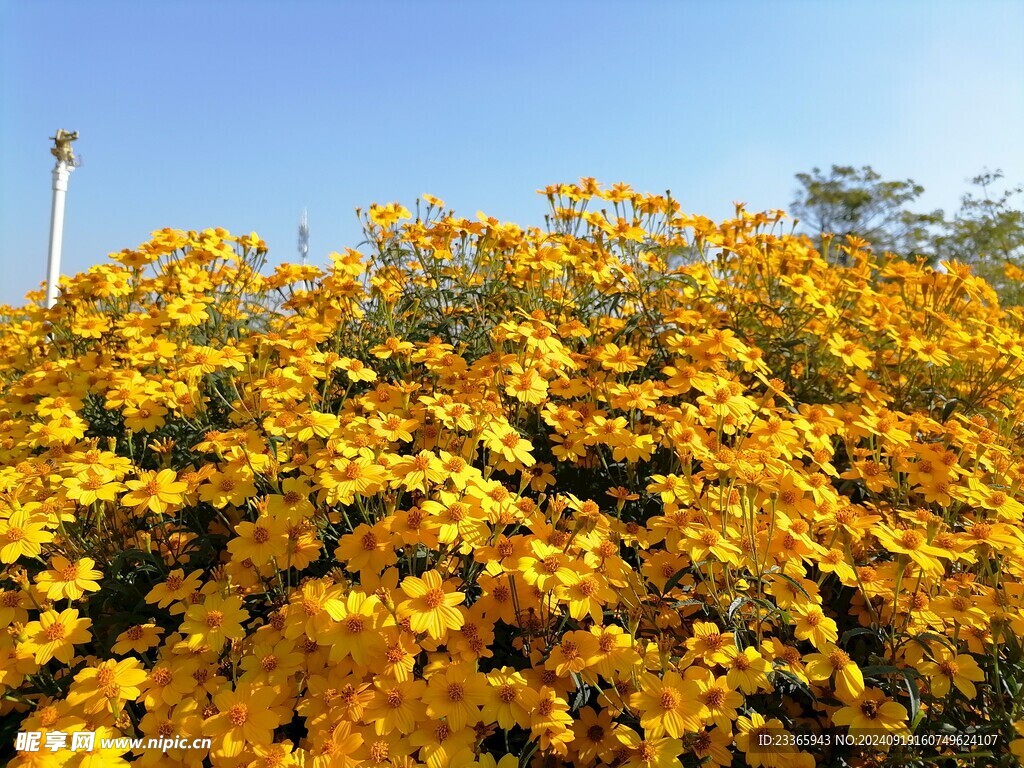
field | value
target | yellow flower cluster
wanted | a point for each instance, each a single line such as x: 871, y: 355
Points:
x: 637, y: 490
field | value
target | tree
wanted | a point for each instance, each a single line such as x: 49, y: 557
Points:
x: 857, y: 201
x: 988, y: 233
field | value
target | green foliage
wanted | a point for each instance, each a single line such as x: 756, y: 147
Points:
x: 987, y: 231
x: 858, y: 201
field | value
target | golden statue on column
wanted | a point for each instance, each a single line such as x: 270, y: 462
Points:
x: 62, y: 146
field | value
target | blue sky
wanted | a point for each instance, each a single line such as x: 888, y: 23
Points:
x: 240, y: 114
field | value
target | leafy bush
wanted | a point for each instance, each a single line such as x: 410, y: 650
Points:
x: 636, y: 490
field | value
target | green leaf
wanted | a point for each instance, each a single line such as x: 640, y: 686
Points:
x: 796, y: 682
x: 948, y: 409
x: 735, y: 605
x: 908, y: 675
x: 673, y: 581
x: 856, y: 632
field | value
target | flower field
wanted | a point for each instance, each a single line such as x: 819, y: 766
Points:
x: 635, y: 490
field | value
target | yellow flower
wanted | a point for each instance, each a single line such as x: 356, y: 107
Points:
x: 506, y: 443
x: 68, y: 579
x: 813, y: 625
x: 960, y: 671
x: 618, y: 359
x: 748, y: 670
x: 510, y: 700
x: 357, y: 632
x: 755, y: 738
x: 852, y: 354
x: 669, y: 705
x: 430, y: 607
x: 396, y: 705
x: 214, y: 621
x: 223, y: 488
x: 417, y: 472
x: 245, y: 717
x: 54, y: 635
x: 22, y: 535
x: 456, y: 694
x: 717, y: 695
x: 147, y: 416
x: 92, y: 486
x: 293, y: 503
x: 367, y: 549
x: 159, y: 492
x: 547, y: 567
x: 574, y: 654
x: 550, y: 721
x: 176, y: 586
x: 709, y: 644
x: 526, y: 385
x: 912, y: 543
x: 138, y: 638
x: 260, y: 541
x: 649, y: 752
x: 833, y: 661
x: 356, y: 370
x: 872, y: 711
x: 111, y: 683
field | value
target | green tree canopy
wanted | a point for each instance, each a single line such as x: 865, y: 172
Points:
x: 858, y: 201
x: 986, y: 232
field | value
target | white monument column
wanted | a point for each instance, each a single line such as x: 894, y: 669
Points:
x: 61, y: 172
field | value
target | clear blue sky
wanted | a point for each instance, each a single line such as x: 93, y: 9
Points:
x: 239, y: 114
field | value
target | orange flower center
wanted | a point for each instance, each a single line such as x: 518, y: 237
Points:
x: 310, y: 606
x: 838, y: 659
x: 379, y: 751
x: 910, y: 539
x: 456, y: 692
x: 508, y: 693
x: 669, y: 699
x: 238, y: 714
x: 714, y: 642
x: 56, y: 631
x: 434, y: 598
x: 713, y: 697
